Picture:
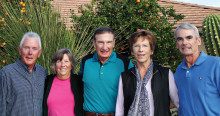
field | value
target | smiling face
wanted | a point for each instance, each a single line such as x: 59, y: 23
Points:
x: 29, y: 52
x: 187, y: 43
x: 142, y: 51
x: 63, y: 67
x: 104, y: 44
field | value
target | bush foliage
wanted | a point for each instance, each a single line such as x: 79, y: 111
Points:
x: 123, y: 16
x: 127, y: 16
x: 18, y: 17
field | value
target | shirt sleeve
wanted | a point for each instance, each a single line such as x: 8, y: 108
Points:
x: 80, y: 70
x: 217, y: 76
x: 130, y: 65
x: 2, y: 95
x: 173, y: 90
x: 119, y: 111
x: 46, y: 72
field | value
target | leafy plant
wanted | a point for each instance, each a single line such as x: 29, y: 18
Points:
x: 18, y: 17
x: 128, y: 16
x: 211, y: 34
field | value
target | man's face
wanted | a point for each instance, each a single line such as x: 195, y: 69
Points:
x: 104, y: 44
x: 186, y: 42
x: 29, y: 52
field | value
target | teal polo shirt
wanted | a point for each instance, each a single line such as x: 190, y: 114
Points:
x: 101, y: 81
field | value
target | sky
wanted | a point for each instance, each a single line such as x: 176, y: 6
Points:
x: 214, y: 3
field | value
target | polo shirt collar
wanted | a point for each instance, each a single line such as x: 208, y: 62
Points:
x: 111, y: 59
x: 20, y: 64
x: 202, y: 57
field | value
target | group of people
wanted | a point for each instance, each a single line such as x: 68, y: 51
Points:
x: 108, y: 83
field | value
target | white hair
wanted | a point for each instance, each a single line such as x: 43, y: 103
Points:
x: 187, y: 26
x: 30, y: 35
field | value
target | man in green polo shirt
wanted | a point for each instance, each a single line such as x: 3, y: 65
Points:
x: 101, y: 72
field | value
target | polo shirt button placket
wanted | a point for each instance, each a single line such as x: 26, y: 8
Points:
x: 101, y: 72
x: 187, y: 74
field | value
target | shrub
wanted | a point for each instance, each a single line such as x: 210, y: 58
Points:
x: 128, y: 16
x: 18, y: 17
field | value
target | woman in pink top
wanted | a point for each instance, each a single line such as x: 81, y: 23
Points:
x: 63, y: 94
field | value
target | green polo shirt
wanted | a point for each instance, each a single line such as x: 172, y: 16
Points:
x: 101, y: 81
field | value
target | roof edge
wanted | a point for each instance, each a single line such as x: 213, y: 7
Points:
x: 194, y: 5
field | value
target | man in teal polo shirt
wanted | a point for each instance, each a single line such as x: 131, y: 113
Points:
x: 197, y: 77
x: 101, y: 72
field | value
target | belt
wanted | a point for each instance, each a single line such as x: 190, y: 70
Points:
x: 97, y: 114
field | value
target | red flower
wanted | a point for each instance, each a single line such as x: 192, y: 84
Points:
x: 122, y: 48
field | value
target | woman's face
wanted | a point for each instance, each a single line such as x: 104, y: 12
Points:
x: 63, y: 67
x: 142, y: 50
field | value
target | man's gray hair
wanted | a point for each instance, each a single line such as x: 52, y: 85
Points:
x: 187, y: 26
x: 30, y: 35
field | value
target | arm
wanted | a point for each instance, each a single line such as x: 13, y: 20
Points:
x: 217, y: 76
x: 120, y: 100
x: 173, y: 90
x: 2, y: 95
